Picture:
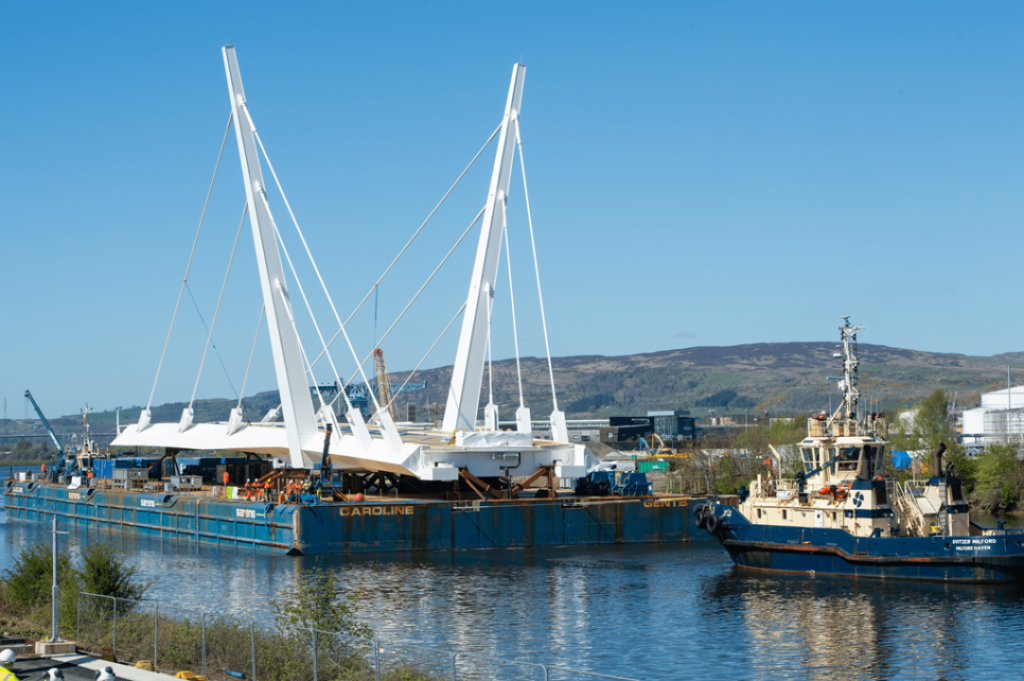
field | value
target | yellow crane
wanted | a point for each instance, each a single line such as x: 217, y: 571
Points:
x: 383, y: 382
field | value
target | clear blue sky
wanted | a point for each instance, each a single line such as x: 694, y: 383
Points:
x: 700, y: 174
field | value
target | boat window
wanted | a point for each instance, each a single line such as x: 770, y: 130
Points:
x: 881, y: 496
x: 851, y: 458
x: 956, y: 494
x: 758, y: 513
x: 808, y: 455
x: 873, y: 465
x: 783, y: 514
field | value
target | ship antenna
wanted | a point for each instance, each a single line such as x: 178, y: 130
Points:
x: 848, y: 384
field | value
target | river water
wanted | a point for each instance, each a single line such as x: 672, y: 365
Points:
x: 647, y: 612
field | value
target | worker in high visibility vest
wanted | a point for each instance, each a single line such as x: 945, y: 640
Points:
x: 7, y: 660
x: 268, y: 492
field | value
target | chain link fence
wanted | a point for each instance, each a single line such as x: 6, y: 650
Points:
x: 224, y: 648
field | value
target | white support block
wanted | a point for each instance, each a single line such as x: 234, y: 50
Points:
x: 491, y: 417
x: 389, y: 431
x: 523, y: 423
x: 559, y: 430
x: 144, y: 419
x: 235, y: 421
x: 186, y: 419
x: 358, y: 425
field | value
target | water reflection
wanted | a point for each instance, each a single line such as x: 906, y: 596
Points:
x: 651, y: 612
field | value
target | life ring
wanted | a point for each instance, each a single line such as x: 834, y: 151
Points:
x: 713, y: 521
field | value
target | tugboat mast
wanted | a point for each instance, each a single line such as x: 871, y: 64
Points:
x: 848, y: 383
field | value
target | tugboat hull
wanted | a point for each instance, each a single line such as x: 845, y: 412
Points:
x: 813, y: 551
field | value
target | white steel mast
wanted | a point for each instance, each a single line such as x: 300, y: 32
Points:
x: 467, y: 374
x: 296, y: 400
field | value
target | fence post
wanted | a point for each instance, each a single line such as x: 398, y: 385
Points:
x: 204, y: 644
x: 376, y: 660
x: 156, y: 632
x: 113, y: 653
x: 78, y: 629
x: 455, y: 669
x: 314, y: 652
x: 252, y: 642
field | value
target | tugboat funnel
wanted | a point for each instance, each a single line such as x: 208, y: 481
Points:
x: 937, y: 460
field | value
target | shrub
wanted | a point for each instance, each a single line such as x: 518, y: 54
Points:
x: 30, y: 579
x: 105, y: 572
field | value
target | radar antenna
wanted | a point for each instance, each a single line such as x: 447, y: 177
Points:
x: 848, y: 384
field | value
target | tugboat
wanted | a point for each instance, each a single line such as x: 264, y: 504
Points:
x: 837, y: 516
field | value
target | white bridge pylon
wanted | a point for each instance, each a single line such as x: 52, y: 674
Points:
x: 428, y: 455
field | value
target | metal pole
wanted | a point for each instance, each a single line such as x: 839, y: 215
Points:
x: 204, y: 644
x: 56, y: 591
x: 113, y: 653
x: 252, y: 642
x: 455, y: 671
x: 78, y: 629
x: 376, y: 660
x: 314, y: 653
x: 156, y: 631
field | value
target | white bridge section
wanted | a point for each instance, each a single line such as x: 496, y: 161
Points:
x: 426, y: 455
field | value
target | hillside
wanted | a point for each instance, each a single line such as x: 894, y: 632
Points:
x: 763, y: 377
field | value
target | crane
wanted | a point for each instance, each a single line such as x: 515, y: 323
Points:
x: 63, y: 461
x: 383, y: 382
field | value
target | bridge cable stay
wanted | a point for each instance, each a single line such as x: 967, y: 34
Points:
x: 309, y: 309
x: 417, y: 295
x: 206, y: 327
x: 184, y: 281
x: 536, y: 267
x: 312, y: 262
x: 220, y: 299
x: 416, y: 368
x: 251, y: 353
x: 413, y: 238
x: 515, y: 332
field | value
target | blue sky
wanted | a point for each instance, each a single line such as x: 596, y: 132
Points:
x: 700, y: 174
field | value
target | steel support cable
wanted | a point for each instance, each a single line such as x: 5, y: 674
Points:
x: 309, y: 309
x: 316, y: 269
x: 415, y: 234
x: 515, y: 333
x: 536, y: 267
x: 202, y: 320
x: 417, y: 367
x: 252, y: 353
x: 439, y: 266
x: 216, y: 313
x: 184, y: 281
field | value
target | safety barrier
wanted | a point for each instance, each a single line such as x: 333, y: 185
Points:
x: 224, y: 648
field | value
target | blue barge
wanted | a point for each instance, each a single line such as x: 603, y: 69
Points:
x: 368, y: 527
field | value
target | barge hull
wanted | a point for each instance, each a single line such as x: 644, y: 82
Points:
x: 371, y: 527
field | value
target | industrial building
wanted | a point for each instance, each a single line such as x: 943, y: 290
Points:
x: 999, y: 419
